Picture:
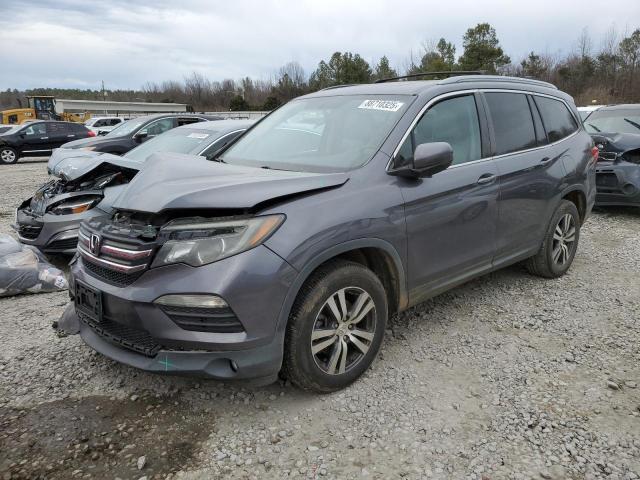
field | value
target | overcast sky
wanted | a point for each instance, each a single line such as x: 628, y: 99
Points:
x: 78, y: 43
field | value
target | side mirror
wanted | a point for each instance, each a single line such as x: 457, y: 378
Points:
x: 141, y: 135
x: 428, y: 159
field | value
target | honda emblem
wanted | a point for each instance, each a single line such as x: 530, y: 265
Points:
x: 94, y: 244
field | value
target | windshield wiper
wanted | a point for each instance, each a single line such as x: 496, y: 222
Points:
x: 631, y: 122
x: 594, y: 127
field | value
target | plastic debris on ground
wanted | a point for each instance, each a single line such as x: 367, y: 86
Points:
x: 23, y: 269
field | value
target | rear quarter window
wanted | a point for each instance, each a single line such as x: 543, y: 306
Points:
x: 558, y: 120
x: 512, y: 122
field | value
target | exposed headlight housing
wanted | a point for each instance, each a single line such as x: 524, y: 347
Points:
x: 198, y: 241
x: 75, y: 205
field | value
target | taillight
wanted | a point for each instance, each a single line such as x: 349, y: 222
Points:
x: 93, y: 134
x: 595, y: 152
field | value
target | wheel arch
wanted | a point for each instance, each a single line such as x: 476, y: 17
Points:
x: 578, y: 197
x: 378, y: 255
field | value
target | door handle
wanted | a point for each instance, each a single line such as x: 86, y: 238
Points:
x: 545, y: 160
x: 486, y: 179
x: 44, y: 138
x: 70, y: 135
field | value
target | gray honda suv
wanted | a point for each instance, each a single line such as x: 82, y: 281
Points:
x: 288, y: 254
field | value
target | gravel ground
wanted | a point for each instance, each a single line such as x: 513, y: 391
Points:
x: 507, y: 377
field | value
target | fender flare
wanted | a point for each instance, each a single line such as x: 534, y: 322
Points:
x: 334, y: 251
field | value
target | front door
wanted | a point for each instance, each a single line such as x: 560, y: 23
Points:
x: 35, y: 140
x: 451, y: 217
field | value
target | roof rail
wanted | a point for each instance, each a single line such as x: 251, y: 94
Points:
x: 338, y: 86
x: 448, y: 73
x: 500, y: 78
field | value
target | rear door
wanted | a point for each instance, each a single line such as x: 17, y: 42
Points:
x: 451, y: 217
x: 529, y: 174
x: 59, y: 133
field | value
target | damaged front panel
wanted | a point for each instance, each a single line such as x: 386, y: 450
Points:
x: 618, y: 169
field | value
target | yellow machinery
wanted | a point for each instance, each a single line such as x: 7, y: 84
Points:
x: 41, y: 107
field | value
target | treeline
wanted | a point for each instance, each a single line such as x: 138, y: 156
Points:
x: 604, y: 73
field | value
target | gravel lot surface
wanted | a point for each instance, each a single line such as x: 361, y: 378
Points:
x: 507, y: 377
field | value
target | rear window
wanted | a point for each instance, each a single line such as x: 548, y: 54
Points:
x: 558, y: 120
x: 512, y: 122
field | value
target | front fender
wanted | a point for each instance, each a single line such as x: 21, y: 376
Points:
x: 333, y: 252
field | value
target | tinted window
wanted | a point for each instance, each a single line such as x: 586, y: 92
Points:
x: 557, y: 119
x: 512, y: 122
x: 454, y: 121
x: 36, y: 129
x: 158, y: 127
x: 58, y: 128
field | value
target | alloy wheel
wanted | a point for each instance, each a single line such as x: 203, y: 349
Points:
x: 343, y: 330
x: 564, y: 238
x: 8, y: 156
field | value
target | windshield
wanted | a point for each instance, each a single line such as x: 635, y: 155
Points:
x: 125, y: 128
x: 321, y: 134
x: 178, y: 140
x: 622, y: 120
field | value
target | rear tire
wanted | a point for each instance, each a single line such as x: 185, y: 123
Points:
x: 335, y: 328
x: 8, y: 155
x: 559, y: 245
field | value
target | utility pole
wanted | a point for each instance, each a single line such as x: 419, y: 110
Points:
x: 104, y: 97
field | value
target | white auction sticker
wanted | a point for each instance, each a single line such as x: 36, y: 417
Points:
x: 200, y: 136
x: 386, y: 105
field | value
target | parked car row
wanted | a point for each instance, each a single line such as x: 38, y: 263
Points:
x: 88, y: 182
x: 283, y: 248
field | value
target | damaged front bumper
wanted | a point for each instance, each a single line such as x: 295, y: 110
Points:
x: 617, y: 183
x: 52, y: 234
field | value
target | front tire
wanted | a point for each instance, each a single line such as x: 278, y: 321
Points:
x: 335, y: 328
x: 559, y: 245
x: 8, y: 155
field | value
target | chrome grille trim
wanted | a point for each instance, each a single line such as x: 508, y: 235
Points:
x: 108, y: 264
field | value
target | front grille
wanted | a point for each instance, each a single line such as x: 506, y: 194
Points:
x: 131, y: 338
x: 607, y: 156
x: 65, y: 244
x: 30, y: 232
x: 118, y: 279
x: 115, y: 260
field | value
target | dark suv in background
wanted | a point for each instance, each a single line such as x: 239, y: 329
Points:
x: 35, y: 139
x: 133, y: 132
x: 342, y: 207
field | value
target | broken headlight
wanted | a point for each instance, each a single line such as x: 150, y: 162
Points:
x: 199, y: 241
x: 75, y: 205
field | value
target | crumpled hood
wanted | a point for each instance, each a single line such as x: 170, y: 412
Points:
x: 616, y: 142
x: 175, y: 181
x: 70, y: 164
